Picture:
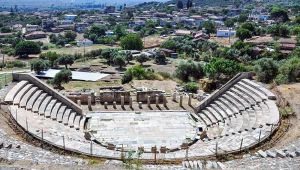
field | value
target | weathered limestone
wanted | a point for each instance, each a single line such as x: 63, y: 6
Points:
x: 180, y: 100
x: 140, y: 105
x: 90, y: 102
x: 44, y: 105
x: 60, y: 113
x: 38, y: 102
x: 32, y: 100
x: 157, y: 100
x: 49, y: 108
x: 79, y: 103
x: 71, y: 119
x: 105, y: 105
x: 148, y: 101
x: 55, y: 110
x: 190, y: 99
x: 122, y: 101
x: 130, y: 102
x: 21, y: 93
x: 115, y: 105
x: 14, y: 91
x: 165, y: 101
x: 174, y: 97
x: 27, y: 96
x: 77, y: 122
x: 66, y: 116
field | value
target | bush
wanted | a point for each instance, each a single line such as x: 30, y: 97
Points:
x: 266, y: 69
x: 120, y: 61
x: 24, y: 48
x: 142, y: 58
x: 191, y: 87
x: 289, y: 71
x: 132, y: 42
x: 16, y: 63
x: 189, y: 69
x: 137, y: 72
x: 63, y: 76
x: 39, y: 65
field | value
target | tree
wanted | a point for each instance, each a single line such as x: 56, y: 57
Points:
x: 297, y: 20
x: 160, y: 57
x: 5, y: 30
x: 229, y: 22
x: 128, y: 56
x: 242, y: 18
x: 66, y: 60
x: 279, y: 14
x: 63, y: 76
x: 209, y: 27
x: 24, y: 48
x: 108, y: 54
x: 266, y: 69
x: 70, y: 36
x: 179, y: 4
x: 219, y: 68
x: 120, y: 61
x: 98, y: 30
x: 279, y: 30
x: 119, y: 31
x: 51, y: 56
x: 189, y: 4
x: 289, y: 71
x: 249, y: 26
x: 142, y: 58
x: 189, y: 69
x: 296, y: 30
x: 39, y: 65
x: 243, y: 34
x: 131, y: 42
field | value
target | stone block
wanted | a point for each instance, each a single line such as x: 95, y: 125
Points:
x: 280, y: 153
x: 271, y: 153
x: 262, y: 153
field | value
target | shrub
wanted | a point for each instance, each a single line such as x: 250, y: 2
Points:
x: 120, y: 61
x: 266, y: 69
x: 132, y: 42
x: 24, y: 48
x: 189, y: 69
x: 63, y: 76
x: 16, y: 63
x: 137, y: 72
x: 191, y: 87
x: 289, y: 71
x: 142, y: 58
x: 39, y: 65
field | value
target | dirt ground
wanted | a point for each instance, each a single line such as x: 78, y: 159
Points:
x: 154, y: 41
x: 291, y: 93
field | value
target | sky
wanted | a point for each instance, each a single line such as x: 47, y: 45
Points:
x: 64, y: 2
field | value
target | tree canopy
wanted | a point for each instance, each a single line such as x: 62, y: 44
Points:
x: 63, y: 76
x: 132, y: 42
x: 24, y: 48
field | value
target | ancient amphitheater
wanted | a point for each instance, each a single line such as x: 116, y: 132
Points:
x: 237, y: 117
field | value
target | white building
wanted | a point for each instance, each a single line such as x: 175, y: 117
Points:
x: 226, y: 33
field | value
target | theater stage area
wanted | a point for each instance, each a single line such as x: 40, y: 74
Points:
x: 132, y: 130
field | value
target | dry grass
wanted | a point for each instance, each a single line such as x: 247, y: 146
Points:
x: 79, y: 85
x: 77, y: 50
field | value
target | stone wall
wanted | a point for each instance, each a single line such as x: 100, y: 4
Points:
x: 43, y: 86
x: 82, y: 96
x: 142, y: 96
x: 111, y: 96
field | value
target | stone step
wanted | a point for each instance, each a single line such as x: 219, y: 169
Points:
x: 82, y: 123
x: 243, y: 96
x: 60, y: 113
x: 238, y: 99
x: 49, y: 108
x: 224, y: 108
x: 219, y: 111
x: 27, y: 96
x: 253, y: 90
x: 210, y: 116
x: 55, y: 110
x: 249, y: 93
x: 66, y: 116
x: 21, y: 93
x: 32, y: 100
x: 215, y: 114
x: 268, y: 93
x: 71, y: 119
x: 14, y: 91
x: 38, y: 102
x: 231, y: 103
x: 44, y: 104
x: 77, y: 122
x: 205, y: 119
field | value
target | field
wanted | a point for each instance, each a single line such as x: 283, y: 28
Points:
x: 76, y: 50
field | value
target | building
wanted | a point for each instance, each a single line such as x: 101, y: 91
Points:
x: 225, y: 33
x: 35, y: 35
x: 70, y: 17
x: 32, y: 28
x: 84, y: 42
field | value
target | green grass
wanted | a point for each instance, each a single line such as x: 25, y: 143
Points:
x: 4, y: 79
x: 77, y: 50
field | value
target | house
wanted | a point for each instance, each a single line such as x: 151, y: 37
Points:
x: 17, y: 27
x: 84, y: 42
x: 138, y: 23
x: 35, y: 35
x: 225, y: 33
x: 182, y: 32
x: 109, y: 33
x: 81, y: 27
x: 69, y: 17
x: 32, y: 28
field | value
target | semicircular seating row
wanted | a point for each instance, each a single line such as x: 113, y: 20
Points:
x: 240, y: 118
x: 28, y: 96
